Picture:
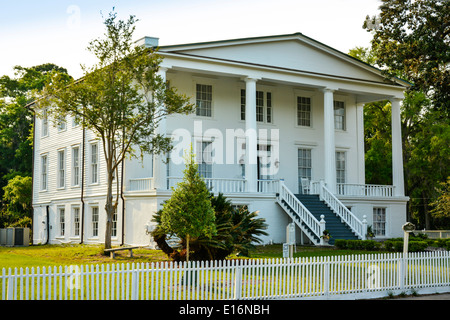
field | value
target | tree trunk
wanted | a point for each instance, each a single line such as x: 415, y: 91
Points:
x: 109, y: 208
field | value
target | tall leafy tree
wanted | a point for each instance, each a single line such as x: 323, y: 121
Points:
x: 16, y: 134
x: 411, y: 38
x: 121, y: 99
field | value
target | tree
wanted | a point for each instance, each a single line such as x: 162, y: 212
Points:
x: 17, y: 209
x: 121, y: 99
x: 16, y: 132
x: 441, y: 206
x: 411, y: 39
x: 188, y: 213
x: 237, y: 230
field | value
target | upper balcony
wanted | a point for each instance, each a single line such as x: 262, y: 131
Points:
x: 225, y: 185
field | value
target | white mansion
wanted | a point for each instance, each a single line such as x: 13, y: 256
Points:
x: 278, y: 127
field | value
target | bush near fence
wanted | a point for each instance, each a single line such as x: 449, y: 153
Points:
x: 391, y: 245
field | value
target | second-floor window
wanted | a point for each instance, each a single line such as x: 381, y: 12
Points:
x: 94, y: 163
x: 61, y: 169
x: 304, y: 111
x: 44, y: 167
x: 44, y: 132
x: 339, y: 115
x: 263, y: 106
x: 204, y: 100
x: 61, y: 124
x: 76, y: 166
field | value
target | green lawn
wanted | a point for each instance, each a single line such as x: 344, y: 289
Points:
x: 51, y: 255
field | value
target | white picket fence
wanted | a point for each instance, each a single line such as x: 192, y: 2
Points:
x: 332, y: 277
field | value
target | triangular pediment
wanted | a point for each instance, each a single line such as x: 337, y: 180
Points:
x: 293, y: 52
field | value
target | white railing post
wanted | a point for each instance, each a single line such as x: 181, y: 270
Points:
x: 322, y: 229
x: 364, y: 227
x: 280, y: 187
x: 322, y: 185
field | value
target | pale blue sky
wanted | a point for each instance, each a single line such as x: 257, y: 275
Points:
x: 58, y: 31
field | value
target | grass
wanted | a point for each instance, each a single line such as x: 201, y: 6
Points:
x: 55, y: 255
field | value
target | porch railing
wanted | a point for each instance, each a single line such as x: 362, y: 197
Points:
x: 217, y: 184
x: 268, y: 186
x: 364, y: 190
x: 141, y: 184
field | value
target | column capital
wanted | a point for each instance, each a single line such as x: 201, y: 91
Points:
x: 250, y: 78
x: 328, y: 89
x: 397, y: 99
x: 164, y: 68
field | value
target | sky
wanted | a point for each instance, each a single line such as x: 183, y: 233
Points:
x: 59, y: 31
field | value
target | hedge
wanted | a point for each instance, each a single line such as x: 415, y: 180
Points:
x: 392, y: 245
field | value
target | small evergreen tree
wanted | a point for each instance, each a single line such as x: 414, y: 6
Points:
x: 188, y: 214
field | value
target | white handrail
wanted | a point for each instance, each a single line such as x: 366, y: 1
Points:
x: 366, y: 190
x: 359, y: 227
x: 140, y: 184
x: 224, y: 185
x: 268, y: 186
x: 301, y: 211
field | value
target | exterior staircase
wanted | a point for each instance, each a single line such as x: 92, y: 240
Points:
x: 306, y: 211
x: 337, y: 228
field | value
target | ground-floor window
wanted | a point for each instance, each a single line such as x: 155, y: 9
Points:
x: 62, y: 221
x: 204, y: 158
x: 340, y: 167
x: 379, y: 221
x: 94, y: 217
x: 304, y: 166
x: 114, y: 225
x: 76, y: 221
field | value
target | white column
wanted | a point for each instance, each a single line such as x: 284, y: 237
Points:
x: 360, y: 141
x: 397, y: 153
x: 159, y: 165
x: 251, y: 143
x: 329, y: 141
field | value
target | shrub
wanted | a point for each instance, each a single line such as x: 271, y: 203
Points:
x: 447, y: 244
x: 370, y: 245
x: 353, y: 244
x: 416, y: 246
x: 398, y: 246
x: 388, y: 245
x: 341, y: 243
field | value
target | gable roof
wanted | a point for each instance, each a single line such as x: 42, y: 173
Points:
x: 289, y: 52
